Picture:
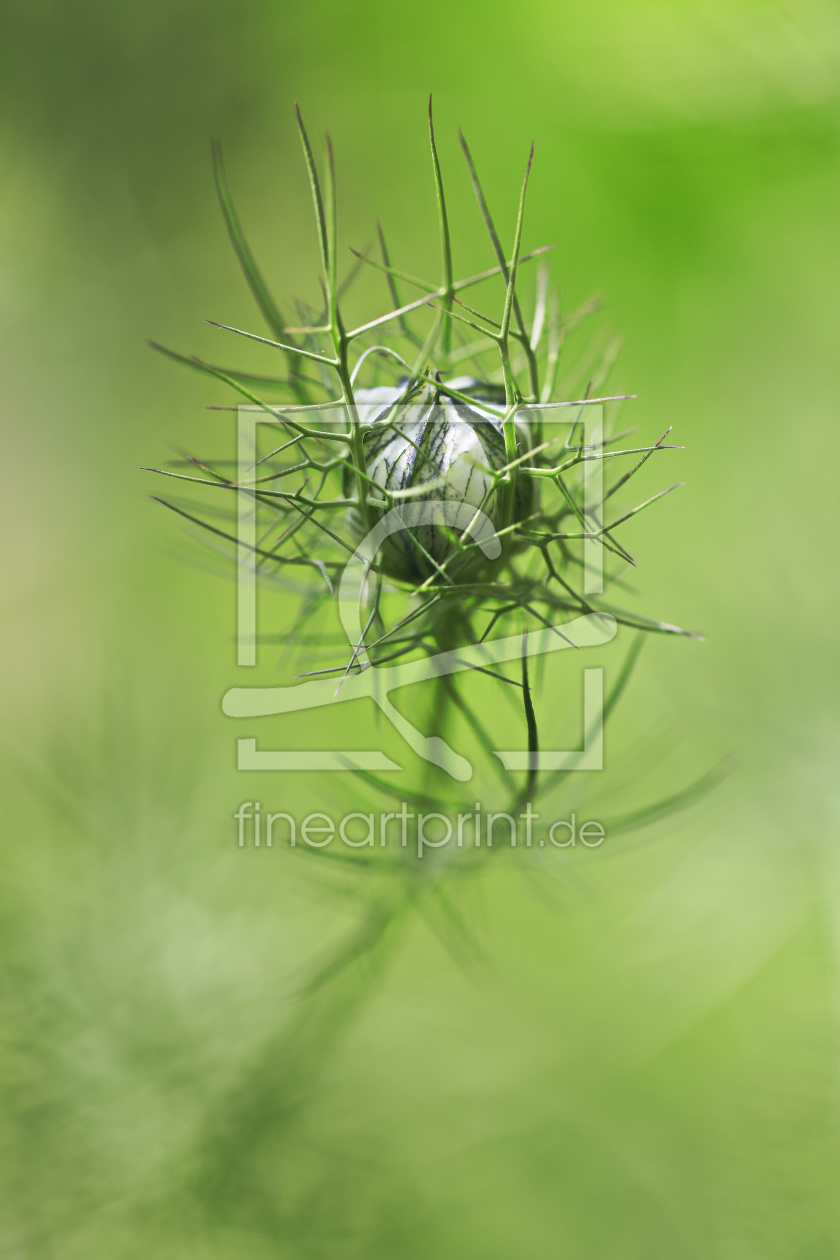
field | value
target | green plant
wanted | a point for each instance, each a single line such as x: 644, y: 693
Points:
x: 379, y: 420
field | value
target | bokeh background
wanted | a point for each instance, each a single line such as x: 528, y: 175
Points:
x: 647, y: 1062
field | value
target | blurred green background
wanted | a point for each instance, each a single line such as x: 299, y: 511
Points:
x: 649, y: 1064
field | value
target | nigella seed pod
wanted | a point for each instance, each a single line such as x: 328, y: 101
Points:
x: 434, y: 448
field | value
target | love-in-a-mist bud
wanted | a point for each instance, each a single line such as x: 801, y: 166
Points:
x: 440, y: 450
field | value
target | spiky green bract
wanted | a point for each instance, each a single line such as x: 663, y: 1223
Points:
x: 465, y: 351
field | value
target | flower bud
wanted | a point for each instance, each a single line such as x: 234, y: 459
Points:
x: 439, y: 449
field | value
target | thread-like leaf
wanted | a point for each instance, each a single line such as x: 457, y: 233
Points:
x: 247, y: 262
x: 445, y: 239
x: 317, y: 199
